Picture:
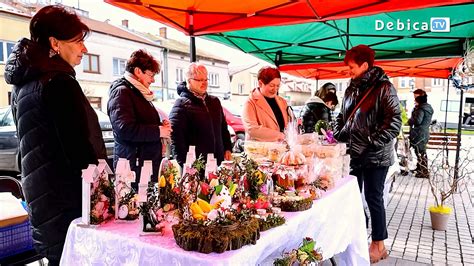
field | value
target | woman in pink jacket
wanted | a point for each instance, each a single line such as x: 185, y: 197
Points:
x: 265, y: 113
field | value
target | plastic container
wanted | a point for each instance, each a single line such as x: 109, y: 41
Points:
x: 15, y: 239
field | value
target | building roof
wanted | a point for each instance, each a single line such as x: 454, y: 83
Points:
x: 182, y: 47
x: 237, y: 69
x: 8, y: 9
x: 112, y: 30
x: 27, y: 10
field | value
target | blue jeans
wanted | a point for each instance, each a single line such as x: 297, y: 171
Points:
x: 373, y: 180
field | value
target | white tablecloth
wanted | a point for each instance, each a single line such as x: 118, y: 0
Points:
x: 335, y: 221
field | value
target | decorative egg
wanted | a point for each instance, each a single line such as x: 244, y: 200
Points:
x: 123, y: 211
x: 123, y: 191
x: 223, y: 195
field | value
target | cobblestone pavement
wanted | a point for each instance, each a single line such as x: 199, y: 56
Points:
x: 412, y: 241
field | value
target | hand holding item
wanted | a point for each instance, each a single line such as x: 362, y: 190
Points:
x: 165, y: 122
x: 281, y: 137
x: 227, y: 156
x: 165, y: 131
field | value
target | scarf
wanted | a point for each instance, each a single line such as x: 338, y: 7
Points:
x: 146, y: 92
x: 199, y: 96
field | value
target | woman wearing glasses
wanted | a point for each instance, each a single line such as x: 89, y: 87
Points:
x: 265, y: 113
x: 197, y: 119
x: 136, y: 123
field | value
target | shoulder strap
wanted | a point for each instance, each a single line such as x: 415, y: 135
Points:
x: 360, y: 102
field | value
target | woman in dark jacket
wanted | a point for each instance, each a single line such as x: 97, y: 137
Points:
x: 58, y: 130
x: 370, y: 133
x: 136, y: 123
x: 197, y: 120
x: 318, y: 109
x: 419, y: 122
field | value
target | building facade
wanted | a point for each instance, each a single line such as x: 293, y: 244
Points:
x: 108, y: 49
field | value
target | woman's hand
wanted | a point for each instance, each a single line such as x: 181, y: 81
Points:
x: 228, y: 155
x: 165, y: 129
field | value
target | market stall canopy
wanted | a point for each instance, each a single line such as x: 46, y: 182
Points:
x: 197, y: 17
x: 425, y: 68
x: 424, y: 33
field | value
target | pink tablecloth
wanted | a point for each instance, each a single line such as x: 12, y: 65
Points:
x: 335, y: 221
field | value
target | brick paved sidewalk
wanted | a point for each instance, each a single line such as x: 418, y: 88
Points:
x: 412, y: 241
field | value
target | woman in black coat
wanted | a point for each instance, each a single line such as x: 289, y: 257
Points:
x: 58, y: 130
x: 136, y: 123
x: 318, y: 109
x: 419, y: 122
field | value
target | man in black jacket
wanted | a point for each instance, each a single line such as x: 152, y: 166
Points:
x: 369, y: 122
x: 420, y: 131
x: 197, y: 119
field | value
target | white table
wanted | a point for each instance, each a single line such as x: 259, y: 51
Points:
x: 335, y: 221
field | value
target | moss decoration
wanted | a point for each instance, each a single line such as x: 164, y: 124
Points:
x: 272, y: 220
x: 321, y: 124
x: 296, y: 206
x: 216, y: 238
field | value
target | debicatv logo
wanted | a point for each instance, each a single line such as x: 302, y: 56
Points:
x: 437, y: 24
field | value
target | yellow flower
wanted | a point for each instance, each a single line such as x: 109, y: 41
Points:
x: 259, y: 176
x: 440, y: 209
x: 162, y: 181
x: 171, y: 180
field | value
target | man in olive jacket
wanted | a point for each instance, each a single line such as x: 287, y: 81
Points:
x: 370, y: 133
x: 419, y: 122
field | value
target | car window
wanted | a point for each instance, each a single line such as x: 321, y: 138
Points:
x: 103, y: 117
x: 233, y: 108
x: 8, y: 119
x: 3, y: 111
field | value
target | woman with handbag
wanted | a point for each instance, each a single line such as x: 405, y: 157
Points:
x: 369, y: 122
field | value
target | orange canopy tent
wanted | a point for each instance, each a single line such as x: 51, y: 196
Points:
x: 198, y: 17
x: 423, y: 68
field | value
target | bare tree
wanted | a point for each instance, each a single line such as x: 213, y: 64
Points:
x: 442, y: 176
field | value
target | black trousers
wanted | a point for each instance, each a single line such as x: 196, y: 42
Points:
x: 373, y: 180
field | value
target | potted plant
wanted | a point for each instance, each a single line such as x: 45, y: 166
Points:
x: 444, y: 184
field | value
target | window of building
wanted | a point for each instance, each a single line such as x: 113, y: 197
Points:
x: 179, y: 75
x: 5, y: 50
x: 404, y: 82
x: 96, y: 102
x: 213, y: 79
x: 119, y: 66
x: 437, y: 82
x: 90, y: 62
x: 453, y: 106
x: 240, y: 88
x: 254, y: 81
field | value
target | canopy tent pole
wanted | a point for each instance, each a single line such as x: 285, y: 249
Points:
x: 446, y: 107
x: 458, y: 146
x: 192, y: 40
x: 192, y: 49
x: 446, y: 119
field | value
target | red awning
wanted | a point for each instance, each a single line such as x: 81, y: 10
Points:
x: 424, y: 68
x: 197, y: 17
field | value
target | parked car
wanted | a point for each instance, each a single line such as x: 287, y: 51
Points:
x: 235, y: 122
x: 297, y: 110
x: 9, y: 158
